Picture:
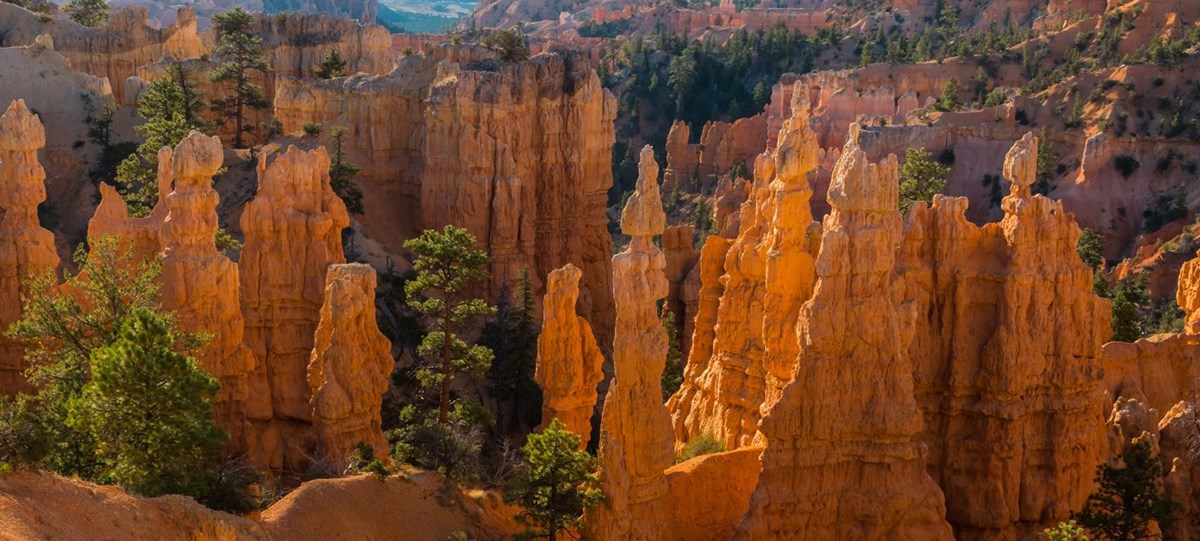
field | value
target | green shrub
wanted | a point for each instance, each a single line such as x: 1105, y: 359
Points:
x: 703, y: 444
x: 311, y: 129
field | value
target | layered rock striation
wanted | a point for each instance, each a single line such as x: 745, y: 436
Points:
x: 843, y: 457
x: 568, y: 360
x: 349, y: 368
x: 26, y: 250
x: 635, y: 428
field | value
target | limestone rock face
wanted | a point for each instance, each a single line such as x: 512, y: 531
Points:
x: 293, y: 233
x: 701, y: 293
x: 710, y: 493
x: 1007, y: 352
x: 517, y: 153
x: 843, y: 460
x: 635, y: 428
x: 349, y: 367
x: 681, y: 259
x: 201, y: 285
x: 569, y: 361
x: 769, y: 273
x: 26, y: 250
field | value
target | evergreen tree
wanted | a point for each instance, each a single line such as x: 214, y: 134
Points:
x: 343, y: 174
x: 89, y: 13
x: 240, y: 53
x: 1090, y: 248
x: 1130, y: 497
x: 512, y: 335
x: 332, y: 65
x: 171, y: 107
x: 448, y: 267
x: 948, y: 101
x: 672, y: 376
x: 1046, y: 162
x: 1066, y: 531
x: 558, y: 484
x: 1124, y: 316
x: 149, y: 410
x: 921, y: 178
x: 510, y: 45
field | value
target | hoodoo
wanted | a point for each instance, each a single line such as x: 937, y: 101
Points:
x: 568, y: 359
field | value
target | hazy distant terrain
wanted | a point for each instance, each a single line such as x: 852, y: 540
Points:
x: 422, y: 16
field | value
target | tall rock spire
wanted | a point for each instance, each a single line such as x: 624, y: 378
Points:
x: 26, y: 249
x: 635, y: 428
x: 568, y: 360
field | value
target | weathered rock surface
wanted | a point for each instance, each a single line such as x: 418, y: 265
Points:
x: 349, y: 368
x: 769, y: 273
x: 681, y: 259
x: 1007, y: 354
x: 201, y: 285
x: 843, y: 457
x: 701, y: 293
x: 1187, y: 294
x: 293, y: 233
x: 635, y: 428
x: 518, y: 153
x: 26, y: 250
x: 709, y: 494
x: 722, y: 146
x: 569, y: 361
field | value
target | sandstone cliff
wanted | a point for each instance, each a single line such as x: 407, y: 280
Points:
x: 293, y: 233
x: 350, y: 366
x: 200, y: 285
x: 635, y: 428
x: 26, y: 250
x: 1007, y: 354
x: 843, y: 457
x: 518, y: 153
x: 568, y: 359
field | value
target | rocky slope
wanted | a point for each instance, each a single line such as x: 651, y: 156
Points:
x: 519, y: 154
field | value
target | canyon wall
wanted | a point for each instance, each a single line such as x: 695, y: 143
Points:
x: 26, y: 250
x: 844, y: 458
x: 722, y: 146
x: 635, y: 427
x: 517, y: 153
x: 293, y: 233
x: 1007, y: 354
x: 568, y: 360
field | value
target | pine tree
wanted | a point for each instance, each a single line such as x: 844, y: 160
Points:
x: 672, y: 376
x: 921, y: 178
x: 948, y: 101
x: 448, y: 267
x: 512, y: 335
x: 1090, y: 248
x: 171, y: 107
x: 343, y: 174
x: 1130, y: 497
x: 240, y: 53
x: 558, y: 484
x: 90, y: 13
x: 150, y: 410
x: 333, y: 65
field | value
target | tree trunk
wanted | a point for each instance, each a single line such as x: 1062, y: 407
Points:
x: 444, y: 407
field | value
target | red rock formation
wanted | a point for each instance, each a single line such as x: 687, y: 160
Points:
x: 843, y: 460
x: 201, y: 285
x: 769, y: 273
x: 1007, y: 354
x: 701, y: 293
x: 635, y: 428
x: 26, y: 250
x: 722, y: 146
x: 1187, y: 294
x: 293, y: 233
x: 681, y: 259
x: 349, y: 368
x: 568, y: 360
x: 709, y: 494
x: 519, y: 155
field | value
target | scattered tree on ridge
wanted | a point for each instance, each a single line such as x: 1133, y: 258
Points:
x: 558, y: 484
x: 240, y: 53
x: 921, y: 178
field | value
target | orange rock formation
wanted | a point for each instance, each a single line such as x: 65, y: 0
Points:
x: 518, y: 153
x: 568, y: 360
x: 349, y: 368
x: 293, y: 233
x: 635, y: 428
x: 769, y: 273
x: 843, y: 457
x: 201, y: 285
x: 26, y: 250
x: 1007, y: 353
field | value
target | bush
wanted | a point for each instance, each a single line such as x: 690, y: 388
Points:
x: 509, y: 44
x: 311, y: 129
x: 451, y: 449
x: 363, y: 460
x: 1130, y: 497
x: 1126, y: 165
x: 703, y: 444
